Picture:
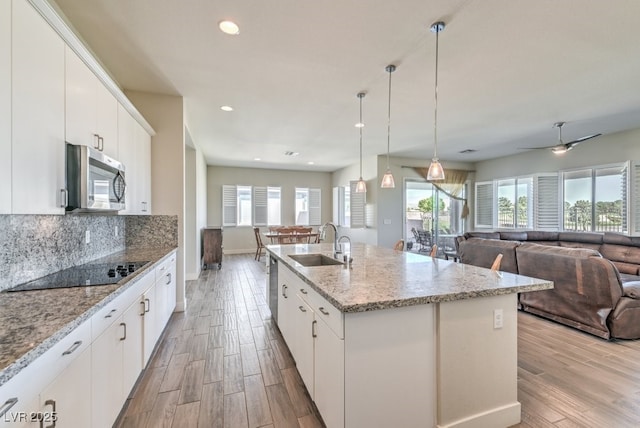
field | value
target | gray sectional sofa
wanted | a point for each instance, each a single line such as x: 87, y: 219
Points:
x: 596, y: 275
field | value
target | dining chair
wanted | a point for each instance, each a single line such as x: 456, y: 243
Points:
x: 285, y: 235
x: 496, y: 263
x: 259, y: 244
x: 399, y: 245
x: 304, y: 237
x: 434, y: 250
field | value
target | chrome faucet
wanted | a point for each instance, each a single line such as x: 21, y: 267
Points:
x: 347, y: 258
x: 336, y: 247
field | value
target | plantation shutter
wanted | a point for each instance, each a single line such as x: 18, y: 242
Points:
x: 315, y: 212
x: 357, y: 203
x: 546, y: 202
x: 338, y: 207
x: 229, y: 205
x: 260, y: 206
x: 484, y: 205
x: 635, y: 197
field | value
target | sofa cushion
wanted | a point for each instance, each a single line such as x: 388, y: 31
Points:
x: 514, y: 236
x: 540, y: 235
x: 586, y: 286
x: 631, y: 289
x: 616, y: 238
x: 585, y: 245
x: 483, y: 252
x: 587, y: 237
x: 626, y: 258
x: 486, y: 235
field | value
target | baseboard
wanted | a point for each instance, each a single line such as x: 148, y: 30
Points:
x: 504, y: 416
x: 241, y: 251
x: 193, y: 276
x: 180, y: 307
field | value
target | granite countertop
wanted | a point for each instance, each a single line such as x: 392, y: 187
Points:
x: 381, y: 278
x: 31, y: 322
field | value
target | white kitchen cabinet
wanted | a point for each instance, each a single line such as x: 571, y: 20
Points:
x: 5, y: 107
x: 91, y: 111
x: 287, y: 307
x: 134, y: 151
x: 132, y: 349
x: 67, y: 400
x: 151, y: 317
x: 304, y: 334
x: 37, y: 114
x: 143, y: 165
x: 328, y: 387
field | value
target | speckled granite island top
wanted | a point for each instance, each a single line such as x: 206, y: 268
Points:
x: 382, y: 278
x: 31, y: 322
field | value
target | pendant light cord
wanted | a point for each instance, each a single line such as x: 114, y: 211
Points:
x: 390, y: 68
x: 361, y: 95
x: 435, y: 113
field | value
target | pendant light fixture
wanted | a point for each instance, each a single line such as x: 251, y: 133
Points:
x: 436, y: 172
x: 361, y: 186
x: 387, y: 179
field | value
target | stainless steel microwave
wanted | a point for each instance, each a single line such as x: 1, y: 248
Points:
x: 95, y: 182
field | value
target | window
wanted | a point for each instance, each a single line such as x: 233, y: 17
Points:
x: 251, y: 206
x: 595, y: 199
x: 244, y: 206
x: 307, y: 209
x: 349, y: 206
x: 514, y: 203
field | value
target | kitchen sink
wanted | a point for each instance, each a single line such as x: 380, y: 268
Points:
x: 308, y: 260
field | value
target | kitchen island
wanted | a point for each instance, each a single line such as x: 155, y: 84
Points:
x: 401, y: 339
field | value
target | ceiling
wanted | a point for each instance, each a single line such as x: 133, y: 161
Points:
x: 507, y: 71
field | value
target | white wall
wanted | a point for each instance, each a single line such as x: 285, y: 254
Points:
x: 605, y: 149
x: 342, y: 177
x: 195, y: 207
x: 201, y: 202
x: 241, y: 239
x: 165, y: 113
x: 391, y: 216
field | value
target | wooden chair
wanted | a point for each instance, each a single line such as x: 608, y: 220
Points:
x: 259, y: 244
x: 286, y: 237
x: 399, y: 245
x: 303, y: 239
x: 434, y: 250
x: 496, y: 263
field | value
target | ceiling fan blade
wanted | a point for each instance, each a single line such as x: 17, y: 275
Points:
x: 585, y: 138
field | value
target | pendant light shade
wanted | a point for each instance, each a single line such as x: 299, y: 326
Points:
x: 436, y: 172
x: 387, y: 179
x: 361, y: 186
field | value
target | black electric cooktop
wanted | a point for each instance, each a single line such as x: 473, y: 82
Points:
x: 82, y: 276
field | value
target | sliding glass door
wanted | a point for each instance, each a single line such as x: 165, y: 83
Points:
x: 431, y: 217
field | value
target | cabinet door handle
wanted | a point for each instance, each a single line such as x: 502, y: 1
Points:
x: 303, y: 291
x: 125, y: 331
x: 51, y: 415
x: 73, y: 347
x: 8, y: 405
x: 110, y: 314
x: 96, y: 141
x: 313, y: 328
x: 147, y: 305
x: 302, y: 308
x: 284, y: 289
x: 324, y: 312
x: 100, y: 143
x: 144, y: 307
x: 64, y: 198
x: 168, y: 278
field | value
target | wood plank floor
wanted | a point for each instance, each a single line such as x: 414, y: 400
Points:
x: 223, y: 363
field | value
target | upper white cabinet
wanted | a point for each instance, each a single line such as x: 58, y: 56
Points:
x: 38, y: 149
x: 91, y: 111
x: 5, y: 107
x: 134, y: 151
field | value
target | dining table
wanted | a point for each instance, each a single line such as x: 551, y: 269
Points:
x: 292, y: 238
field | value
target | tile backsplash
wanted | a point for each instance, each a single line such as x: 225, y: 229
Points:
x: 32, y: 246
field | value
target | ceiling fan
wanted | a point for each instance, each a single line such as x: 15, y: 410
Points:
x: 563, y: 147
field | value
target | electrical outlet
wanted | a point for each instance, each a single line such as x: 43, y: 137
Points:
x: 87, y: 237
x: 498, y: 318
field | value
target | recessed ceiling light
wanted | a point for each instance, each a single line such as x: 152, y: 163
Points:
x: 226, y: 108
x: 257, y: 159
x: 310, y: 163
x: 229, y: 27
x: 359, y: 125
x: 289, y: 153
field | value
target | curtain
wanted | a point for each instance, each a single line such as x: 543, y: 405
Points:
x: 451, y: 186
